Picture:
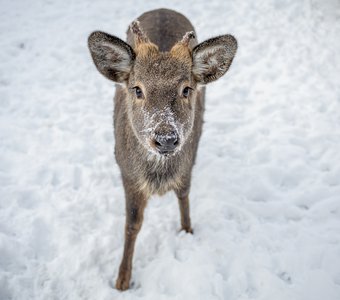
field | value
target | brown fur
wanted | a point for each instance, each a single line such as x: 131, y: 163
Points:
x: 146, y: 50
x: 161, y: 69
x: 181, y: 52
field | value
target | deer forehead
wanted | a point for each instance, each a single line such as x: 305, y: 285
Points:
x: 161, y: 69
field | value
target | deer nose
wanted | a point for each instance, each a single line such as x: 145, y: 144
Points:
x: 166, y: 143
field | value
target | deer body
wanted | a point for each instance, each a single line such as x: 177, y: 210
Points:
x: 158, y: 109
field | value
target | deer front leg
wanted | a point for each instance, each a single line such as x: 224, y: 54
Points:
x: 135, y: 204
x: 183, y: 200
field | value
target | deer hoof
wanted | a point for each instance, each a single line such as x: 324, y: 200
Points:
x: 188, y: 230
x: 122, y: 282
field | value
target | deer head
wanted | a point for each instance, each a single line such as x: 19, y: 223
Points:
x: 161, y: 87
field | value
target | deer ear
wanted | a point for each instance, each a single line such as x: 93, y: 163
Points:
x: 112, y: 56
x: 212, y: 58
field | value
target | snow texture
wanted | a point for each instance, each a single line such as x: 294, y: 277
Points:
x: 265, y: 199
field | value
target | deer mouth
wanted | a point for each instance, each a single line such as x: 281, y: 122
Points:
x: 166, y: 152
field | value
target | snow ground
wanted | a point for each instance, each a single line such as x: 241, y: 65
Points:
x: 265, y: 200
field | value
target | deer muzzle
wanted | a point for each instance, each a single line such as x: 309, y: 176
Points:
x: 166, y: 143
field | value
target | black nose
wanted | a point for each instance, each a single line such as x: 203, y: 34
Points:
x: 166, y: 143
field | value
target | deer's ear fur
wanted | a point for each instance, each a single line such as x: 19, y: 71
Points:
x: 112, y: 56
x: 212, y: 58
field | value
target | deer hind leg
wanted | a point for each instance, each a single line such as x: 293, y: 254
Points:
x: 135, y: 205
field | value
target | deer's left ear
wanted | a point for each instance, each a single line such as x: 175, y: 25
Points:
x: 212, y: 58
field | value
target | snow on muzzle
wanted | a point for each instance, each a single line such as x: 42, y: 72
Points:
x: 165, y: 134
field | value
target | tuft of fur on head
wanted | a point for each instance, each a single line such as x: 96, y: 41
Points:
x: 143, y: 46
x: 181, y: 50
x: 139, y: 34
x: 187, y: 38
x: 146, y: 50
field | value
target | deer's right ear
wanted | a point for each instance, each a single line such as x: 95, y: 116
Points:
x: 112, y: 56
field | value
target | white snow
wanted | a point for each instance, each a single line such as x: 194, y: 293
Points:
x: 265, y: 200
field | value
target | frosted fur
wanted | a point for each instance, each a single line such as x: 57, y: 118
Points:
x: 153, y: 121
x: 140, y: 36
x: 187, y: 37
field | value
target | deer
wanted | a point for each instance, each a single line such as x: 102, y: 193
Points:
x: 160, y: 74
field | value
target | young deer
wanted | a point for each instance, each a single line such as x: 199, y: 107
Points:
x: 158, y: 109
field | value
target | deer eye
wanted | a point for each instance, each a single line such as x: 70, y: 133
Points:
x: 186, y: 92
x: 138, y: 92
